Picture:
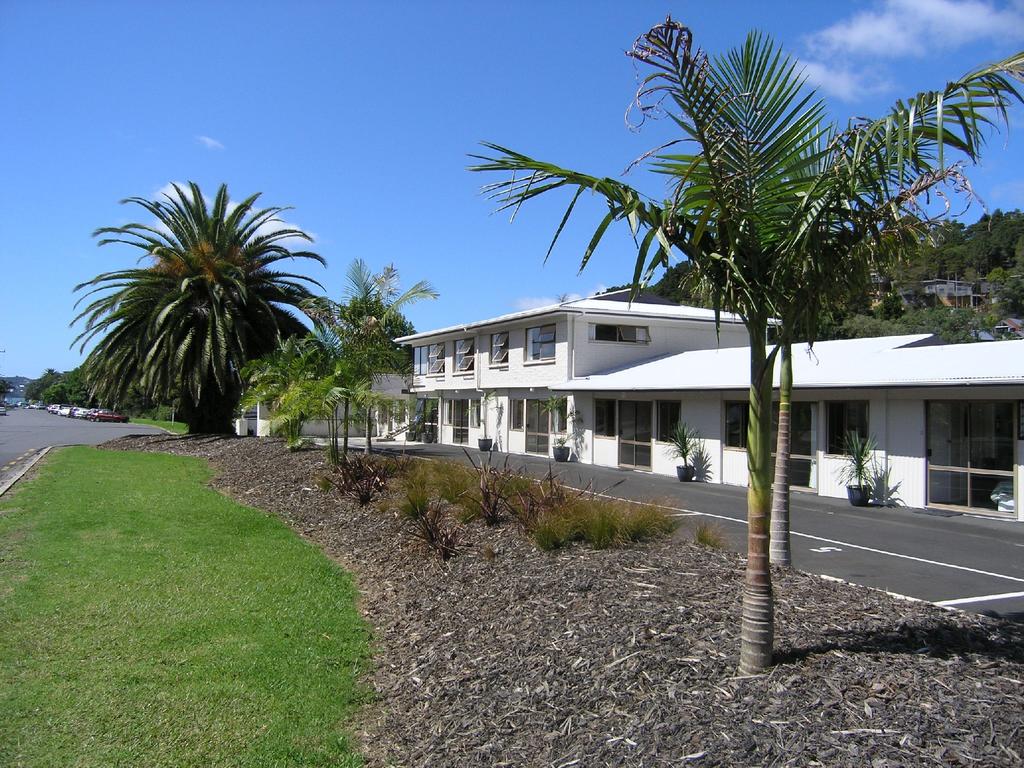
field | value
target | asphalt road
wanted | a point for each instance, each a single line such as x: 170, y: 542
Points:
x: 967, y: 562
x: 23, y: 433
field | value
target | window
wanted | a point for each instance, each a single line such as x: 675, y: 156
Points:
x: 447, y: 412
x: 626, y: 334
x: 499, y: 348
x: 435, y: 358
x: 604, y: 418
x: 459, y: 410
x: 540, y: 343
x: 516, y: 407
x: 668, y: 418
x: 420, y: 362
x: 846, y: 417
x: 737, y: 415
x: 465, y: 355
x: 474, y: 413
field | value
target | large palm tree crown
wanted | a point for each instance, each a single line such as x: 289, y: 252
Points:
x: 207, y: 296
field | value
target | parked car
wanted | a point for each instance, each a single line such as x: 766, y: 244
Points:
x: 3, y: 410
x: 52, y: 408
x: 65, y: 410
x: 104, y: 414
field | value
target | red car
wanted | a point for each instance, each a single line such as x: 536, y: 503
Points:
x: 105, y: 415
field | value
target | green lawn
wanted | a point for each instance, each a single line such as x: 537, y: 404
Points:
x: 177, y: 427
x: 145, y: 620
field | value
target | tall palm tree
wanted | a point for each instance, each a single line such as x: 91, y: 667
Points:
x: 771, y: 195
x: 208, y: 296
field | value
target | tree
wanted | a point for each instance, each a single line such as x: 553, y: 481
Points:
x: 365, y: 323
x: 768, y: 193
x: 35, y: 388
x: 210, y: 298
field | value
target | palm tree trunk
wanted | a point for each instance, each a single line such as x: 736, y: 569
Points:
x: 332, y: 439
x: 367, y: 449
x: 781, y: 550
x: 344, y: 426
x: 757, y: 625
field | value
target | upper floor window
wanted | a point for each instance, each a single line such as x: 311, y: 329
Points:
x: 628, y: 334
x: 540, y: 343
x: 465, y: 355
x: 420, y: 361
x: 843, y: 417
x: 435, y: 358
x: 499, y: 348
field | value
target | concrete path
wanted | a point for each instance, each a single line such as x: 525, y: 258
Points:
x: 963, y: 561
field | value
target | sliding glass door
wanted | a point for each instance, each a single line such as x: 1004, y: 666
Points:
x: 970, y: 454
x: 635, y: 434
x: 537, y: 428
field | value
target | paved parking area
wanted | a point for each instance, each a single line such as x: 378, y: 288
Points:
x: 963, y: 561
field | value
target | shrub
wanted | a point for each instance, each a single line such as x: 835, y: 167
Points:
x: 709, y: 535
x: 494, y: 488
x: 602, y: 523
x: 429, y: 523
x: 362, y: 477
x: 453, y: 482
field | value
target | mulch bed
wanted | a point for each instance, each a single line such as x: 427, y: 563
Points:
x: 508, y: 656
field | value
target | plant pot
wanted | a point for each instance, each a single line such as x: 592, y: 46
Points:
x: 561, y: 452
x: 484, y: 444
x: 685, y: 473
x: 428, y: 437
x: 859, y: 495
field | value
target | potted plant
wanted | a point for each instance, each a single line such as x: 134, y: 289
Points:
x: 683, y: 443
x: 485, y: 443
x: 561, y: 450
x: 856, y: 472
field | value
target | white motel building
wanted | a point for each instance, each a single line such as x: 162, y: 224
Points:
x: 947, y: 419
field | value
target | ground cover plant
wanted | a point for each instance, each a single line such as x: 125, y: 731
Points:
x: 150, y: 621
x: 510, y: 655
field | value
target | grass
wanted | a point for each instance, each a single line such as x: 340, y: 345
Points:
x: 602, y: 523
x: 149, y: 621
x: 177, y: 427
x: 709, y: 535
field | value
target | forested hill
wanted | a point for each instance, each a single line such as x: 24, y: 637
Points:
x: 960, y: 285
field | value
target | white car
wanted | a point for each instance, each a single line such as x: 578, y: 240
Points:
x: 65, y: 410
x: 3, y: 410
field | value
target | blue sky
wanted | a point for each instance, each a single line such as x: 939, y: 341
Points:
x: 361, y: 116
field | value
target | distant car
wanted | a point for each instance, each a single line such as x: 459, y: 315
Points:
x: 104, y: 414
x: 65, y: 410
x: 52, y: 408
x: 3, y: 410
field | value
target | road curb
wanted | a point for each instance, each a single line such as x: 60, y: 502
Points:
x: 21, y: 473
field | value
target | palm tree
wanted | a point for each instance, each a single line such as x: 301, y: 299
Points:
x: 366, y: 321
x: 208, y: 297
x: 772, y: 195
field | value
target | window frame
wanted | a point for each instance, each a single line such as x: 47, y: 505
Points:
x: 464, y: 359
x: 420, y: 360
x: 503, y: 360
x: 434, y: 359
x: 744, y: 410
x: 605, y: 422
x: 663, y: 437
x: 530, y: 343
x: 517, y: 413
x: 830, y: 444
x: 620, y: 337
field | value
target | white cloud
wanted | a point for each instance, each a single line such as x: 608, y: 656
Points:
x: 295, y: 243
x: 209, y: 143
x: 842, y: 81
x: 898, y: 28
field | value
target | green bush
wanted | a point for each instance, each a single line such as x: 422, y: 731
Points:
x: 709, y: 535
x: 602, y: 523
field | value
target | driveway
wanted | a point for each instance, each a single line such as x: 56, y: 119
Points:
x: 24, y: 433
x: 961, y: 561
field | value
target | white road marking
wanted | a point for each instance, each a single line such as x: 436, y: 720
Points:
x: 827, y: 549
x: 979, y: 599
x: 834, y: 541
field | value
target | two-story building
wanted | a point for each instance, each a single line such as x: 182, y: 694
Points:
x: 495, y: 378
x: 611, y: 380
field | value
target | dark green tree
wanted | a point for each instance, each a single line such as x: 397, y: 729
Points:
x: 209, y: 297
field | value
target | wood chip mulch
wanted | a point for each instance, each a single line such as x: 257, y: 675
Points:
x: 508, y: 656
